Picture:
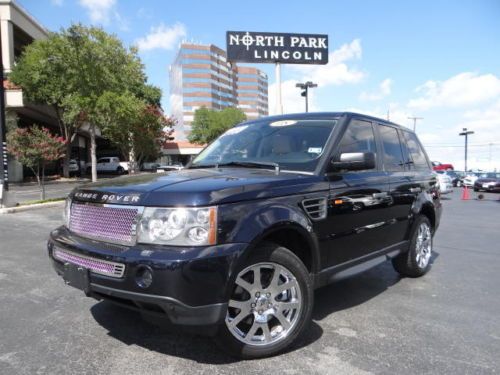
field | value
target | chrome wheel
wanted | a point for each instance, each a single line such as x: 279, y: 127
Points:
x: 423, y: 245
x: 265, y: 304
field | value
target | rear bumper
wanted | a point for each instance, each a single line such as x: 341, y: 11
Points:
x: 189, y: 288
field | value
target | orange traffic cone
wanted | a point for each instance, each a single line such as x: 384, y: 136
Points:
x: 465, y: 194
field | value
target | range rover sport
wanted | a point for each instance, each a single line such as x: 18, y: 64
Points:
x: 235, y: 244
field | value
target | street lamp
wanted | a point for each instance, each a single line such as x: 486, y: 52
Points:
x: 4, y: 169
x: 305, y: 91
x: 466, y: 134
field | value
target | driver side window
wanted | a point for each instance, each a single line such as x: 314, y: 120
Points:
x: 359, y: 137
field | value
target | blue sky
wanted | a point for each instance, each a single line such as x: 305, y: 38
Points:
x: 439, y: 60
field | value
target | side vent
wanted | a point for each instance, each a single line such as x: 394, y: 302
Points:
x: 315, y: 207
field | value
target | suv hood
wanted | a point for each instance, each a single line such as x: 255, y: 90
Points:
x: 198, y: 187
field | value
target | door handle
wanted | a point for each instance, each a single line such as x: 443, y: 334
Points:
x: 415, y: 190
x: 379, y: 195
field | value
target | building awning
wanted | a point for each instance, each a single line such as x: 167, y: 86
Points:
x: 181, y: 148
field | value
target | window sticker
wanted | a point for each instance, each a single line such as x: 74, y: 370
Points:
x: 283, y: 123
x: 314, y: 150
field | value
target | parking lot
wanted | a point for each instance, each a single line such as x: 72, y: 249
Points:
x: 447, y: 322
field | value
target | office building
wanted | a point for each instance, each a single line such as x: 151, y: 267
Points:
x: 201, y: 76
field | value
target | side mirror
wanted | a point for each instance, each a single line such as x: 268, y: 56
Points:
x: 354, y: 161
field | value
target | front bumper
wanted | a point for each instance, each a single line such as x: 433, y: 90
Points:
x: 190, y: 285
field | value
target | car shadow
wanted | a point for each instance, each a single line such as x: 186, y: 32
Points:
x: 128, y: 327
x: 357, y: 289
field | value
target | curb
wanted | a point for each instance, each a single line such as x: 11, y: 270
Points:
x: 13, y: 210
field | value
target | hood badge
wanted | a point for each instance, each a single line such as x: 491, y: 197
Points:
x: 98, y: 197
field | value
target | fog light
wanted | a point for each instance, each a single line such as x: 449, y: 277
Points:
x: 144, y: 277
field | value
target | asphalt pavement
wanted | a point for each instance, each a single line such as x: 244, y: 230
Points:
x: 447, y: 322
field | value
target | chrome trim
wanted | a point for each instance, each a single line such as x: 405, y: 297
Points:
x: 133, y: 229
x: 119, y: 268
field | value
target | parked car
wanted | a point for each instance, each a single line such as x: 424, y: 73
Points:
x: 456, y: 177
x: 149, y: 166
x: 445, y: 183
x: 109, y: 165
x: 470, y: 179
x: 235, y: 244
x: 73, y: 167
x: 438, y: 166
x: 168, y: 168
x: 488, y: 182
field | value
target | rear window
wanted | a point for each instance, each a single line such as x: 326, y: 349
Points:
x: 416, y: 152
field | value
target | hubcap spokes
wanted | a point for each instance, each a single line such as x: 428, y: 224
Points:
x: 265, y: 304
x: 423, y: 245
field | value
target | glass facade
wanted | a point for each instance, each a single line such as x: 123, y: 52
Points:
x: 201, y: 77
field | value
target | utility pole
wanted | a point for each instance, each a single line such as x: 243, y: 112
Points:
x: 466, y: 133
x: 4, y: 167
x: 305, y: 93
x: 415, y: 121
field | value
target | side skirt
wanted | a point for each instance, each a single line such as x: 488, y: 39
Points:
x: 358, y: 265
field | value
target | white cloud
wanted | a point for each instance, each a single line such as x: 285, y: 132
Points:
x: 99, y: 11
x: 384, y: 90
x: 162, y: 37
x: 461, y: 90
x: 336, y: 72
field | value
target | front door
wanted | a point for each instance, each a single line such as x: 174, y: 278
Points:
x: 357, y: 207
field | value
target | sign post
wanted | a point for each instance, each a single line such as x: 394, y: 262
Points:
x: 277, y: 48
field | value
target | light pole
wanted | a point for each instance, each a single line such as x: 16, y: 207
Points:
x: 305, y: 93
x: 466, y: 134
x: 4, y: 168
x: 415, y: 121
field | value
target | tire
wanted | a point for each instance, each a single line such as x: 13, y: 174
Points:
x: 264, y: 305
x: 416, y: 261
x: 120, y: 170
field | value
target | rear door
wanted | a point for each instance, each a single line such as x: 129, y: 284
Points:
x: 354, y: 226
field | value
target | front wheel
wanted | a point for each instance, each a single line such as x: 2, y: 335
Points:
x: 270, y: 304
x: 120, y: 170
x: 416, y: 261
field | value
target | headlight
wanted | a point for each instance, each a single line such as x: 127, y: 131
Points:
x: 66, y: 212
x: 178, y: 226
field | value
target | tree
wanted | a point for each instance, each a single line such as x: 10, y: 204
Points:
x: 137, y: 128
x: 209, y: 124
x: 34, y: 147
x: 72, y: 69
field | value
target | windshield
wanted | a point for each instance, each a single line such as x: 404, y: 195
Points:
x: 295, y: 145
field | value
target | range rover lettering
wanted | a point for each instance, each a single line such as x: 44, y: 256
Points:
x: 234, y: 245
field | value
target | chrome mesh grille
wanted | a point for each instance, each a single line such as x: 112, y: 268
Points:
x: 104, y: 222
x: 102, y: 267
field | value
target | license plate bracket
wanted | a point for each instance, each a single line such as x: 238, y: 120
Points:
x: 77, y: 277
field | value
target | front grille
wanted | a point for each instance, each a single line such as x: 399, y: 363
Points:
x: 102, y: 267
x: 104, y: 222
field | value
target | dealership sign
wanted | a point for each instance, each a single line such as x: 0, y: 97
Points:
x: 254, y: 47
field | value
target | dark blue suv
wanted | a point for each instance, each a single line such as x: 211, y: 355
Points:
x: 235, y: 244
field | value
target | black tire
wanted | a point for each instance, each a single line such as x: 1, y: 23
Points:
x: 120, y: 170
x: 407, y: 263
x: 285, y: 258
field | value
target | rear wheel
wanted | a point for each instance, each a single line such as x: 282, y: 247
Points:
x: 270, y: 304
x: 416, y: 261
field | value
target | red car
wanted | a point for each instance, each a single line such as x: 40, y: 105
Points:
x: 438, y: 166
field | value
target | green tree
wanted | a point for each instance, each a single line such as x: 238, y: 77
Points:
x: 209, y: 124
x: 73, y: 69
x: 35, y: 147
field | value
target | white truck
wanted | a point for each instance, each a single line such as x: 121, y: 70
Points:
x: 109, y: 165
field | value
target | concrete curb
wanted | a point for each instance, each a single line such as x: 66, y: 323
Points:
x: 29, y: 207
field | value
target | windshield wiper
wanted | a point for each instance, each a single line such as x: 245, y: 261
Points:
x: 250, y: 164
